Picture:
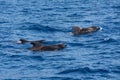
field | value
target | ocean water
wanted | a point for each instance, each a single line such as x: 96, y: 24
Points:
x: 93, y: 56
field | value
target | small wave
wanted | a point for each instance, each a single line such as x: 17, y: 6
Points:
x: 104, y: 40
x: 116, y: 69
x: 61, y: 78
x: 115, y: 6
x: 12, y: 79
x: 2, y: 22
x: 37, y: 27
x: 76, y: 44
x: 33, y: 67
x: 108, y: 40
x: 75, y: 15
x: 47, y: 9
x: 61, y: 59
x: 84, y: 70
x: 40, y: 58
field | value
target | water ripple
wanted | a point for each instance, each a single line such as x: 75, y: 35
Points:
x: 38, y: 27
x: 84, y: 70
x: 87, y: 57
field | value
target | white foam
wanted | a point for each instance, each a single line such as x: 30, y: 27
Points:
x: 19, y: 42
x: 101, y: 28
x: 106, y: 39
x: 70, y: 33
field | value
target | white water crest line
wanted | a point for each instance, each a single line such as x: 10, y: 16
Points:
x: 107, y: 38
x: 101, y: 28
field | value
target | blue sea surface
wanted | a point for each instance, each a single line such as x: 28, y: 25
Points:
x: 93, y: 56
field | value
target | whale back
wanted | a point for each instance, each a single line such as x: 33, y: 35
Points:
x: 77, y: 30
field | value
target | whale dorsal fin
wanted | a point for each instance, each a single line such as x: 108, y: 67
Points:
x: 36, y: 43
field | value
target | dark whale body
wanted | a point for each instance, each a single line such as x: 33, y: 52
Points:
x: 78, y: 31
x: 40, y: 47
x: 23, y: 41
